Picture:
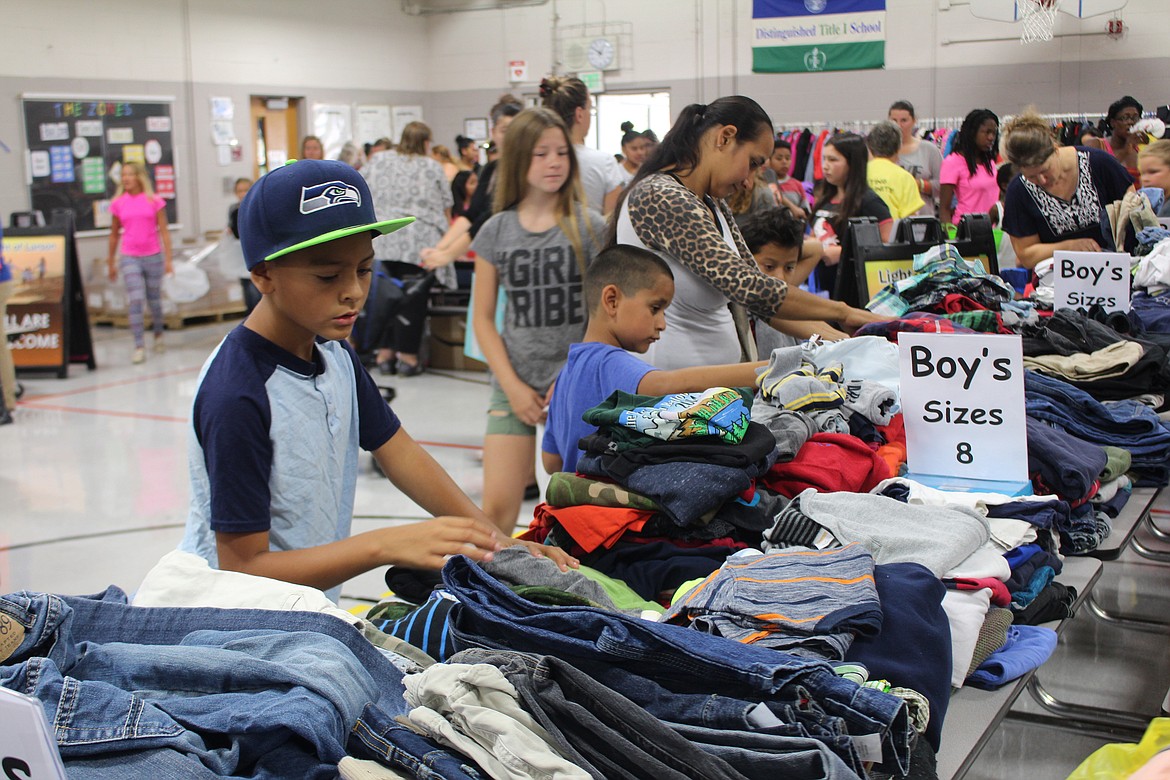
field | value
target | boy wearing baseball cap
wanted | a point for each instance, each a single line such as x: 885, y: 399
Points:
x: 283, y: 404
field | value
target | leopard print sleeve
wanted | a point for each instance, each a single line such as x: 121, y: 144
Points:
x: 671, y: 219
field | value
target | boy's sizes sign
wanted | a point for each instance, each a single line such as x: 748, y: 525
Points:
x: 963, y: 405
x: 1085, y: 279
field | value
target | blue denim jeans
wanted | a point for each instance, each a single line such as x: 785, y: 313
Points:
x: 764, y: 756
x: 196, y: 692
x: 598, y: 728
x: 800, y: 716
x: 679, y: 659
x: 1126, y: 424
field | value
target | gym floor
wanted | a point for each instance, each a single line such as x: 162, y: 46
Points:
x: 93, y: 491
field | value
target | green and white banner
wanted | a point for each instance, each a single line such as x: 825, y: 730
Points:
x: 806, y: 36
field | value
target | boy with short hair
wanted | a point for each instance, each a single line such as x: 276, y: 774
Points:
x: 788, y: 191
x: 777, y: 242
x: 283, y: 404
x: 889, y: 180
x: 627, y: 290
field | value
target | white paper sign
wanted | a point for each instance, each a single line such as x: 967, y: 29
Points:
x: 963, y: 404
x: 517, y: 70
x: 80, y: 147
x: 119, y: 135
x: 55, y: 131
x: 222, y: 132
x: 1084, y: 279
x: 40, y: 164
x: 401, y: 116
x: 222, y: 108
x: 89, y: 127
x: 373, y: 122
x: 27, y: 747
x: 158, y: 124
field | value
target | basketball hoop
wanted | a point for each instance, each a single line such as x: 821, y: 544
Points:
x: 1038, y: 18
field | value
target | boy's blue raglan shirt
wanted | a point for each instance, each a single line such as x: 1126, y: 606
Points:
x: 273, y: 443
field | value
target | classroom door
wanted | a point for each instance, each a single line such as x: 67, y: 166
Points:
x: 275, y: 132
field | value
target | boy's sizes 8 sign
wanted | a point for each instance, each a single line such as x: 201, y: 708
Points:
x: 963, y: 405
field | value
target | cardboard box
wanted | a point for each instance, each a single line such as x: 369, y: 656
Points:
x: 446, y: 344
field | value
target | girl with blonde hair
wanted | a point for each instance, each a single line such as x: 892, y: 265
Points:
x: 1154, y: 164
x: 138, y: 219
x: 535, y: 248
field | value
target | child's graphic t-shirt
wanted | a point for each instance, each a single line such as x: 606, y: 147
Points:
x: 541, y: 274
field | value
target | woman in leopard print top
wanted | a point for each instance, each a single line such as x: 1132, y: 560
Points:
x: 675, y: 207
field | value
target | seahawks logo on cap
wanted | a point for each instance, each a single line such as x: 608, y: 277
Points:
x: 327, y: 195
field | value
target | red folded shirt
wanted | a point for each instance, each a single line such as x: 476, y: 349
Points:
x: 593, y: 526
x: 829, y: 462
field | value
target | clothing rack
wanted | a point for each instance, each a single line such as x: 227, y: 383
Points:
x: 862, y: 126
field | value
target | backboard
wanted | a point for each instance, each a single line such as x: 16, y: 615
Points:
x: 1013, y: 11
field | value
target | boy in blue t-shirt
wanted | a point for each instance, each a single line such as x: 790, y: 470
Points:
x: 283, y: 404
x: 627, y: 290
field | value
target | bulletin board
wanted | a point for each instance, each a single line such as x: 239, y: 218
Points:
x: 76, y: 146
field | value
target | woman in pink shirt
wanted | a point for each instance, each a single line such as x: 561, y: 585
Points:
x: 968, y: 178
x: 139, y: 219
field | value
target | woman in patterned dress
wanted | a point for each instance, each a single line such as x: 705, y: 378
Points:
x: 408, y: 182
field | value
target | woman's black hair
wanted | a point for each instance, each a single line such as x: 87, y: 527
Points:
x: 852, y: 147
x: 1117, y: 106
x: 1005, y: 174
x: 965, y: 145
x: 459, y: 192
x: 679, y: 150
x: 462, y: 142
x: 629, y: 135
x: 650, y: 135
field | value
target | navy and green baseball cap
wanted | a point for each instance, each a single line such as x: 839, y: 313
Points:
x: 305, y: 203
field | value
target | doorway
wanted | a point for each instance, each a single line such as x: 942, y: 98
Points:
x: 275, y: 132
x: 647, y: 110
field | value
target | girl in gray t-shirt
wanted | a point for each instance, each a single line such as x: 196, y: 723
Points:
x: 535, y: 248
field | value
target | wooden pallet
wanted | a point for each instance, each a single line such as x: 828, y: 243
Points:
x: 176, y: 321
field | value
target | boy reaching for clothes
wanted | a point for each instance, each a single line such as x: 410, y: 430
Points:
x: 627, y: 290
x: 283, y: 404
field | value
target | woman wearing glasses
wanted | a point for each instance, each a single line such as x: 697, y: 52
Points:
x: 1121, y: 143
x: 1055, y: 203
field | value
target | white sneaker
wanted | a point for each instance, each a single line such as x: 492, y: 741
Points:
x: 139, y: 355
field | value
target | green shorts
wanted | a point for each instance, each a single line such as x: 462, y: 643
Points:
x: 502, y: 421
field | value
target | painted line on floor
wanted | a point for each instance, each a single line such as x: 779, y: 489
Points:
x: 104, y: 412
x: 166, y: 418
x: 105, y: 385
x: 451, y: 445
x: 101, y: 535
